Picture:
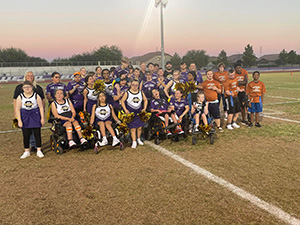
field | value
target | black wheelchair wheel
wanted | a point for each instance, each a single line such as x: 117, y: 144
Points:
x: 59, y: 150
x: 156, y: 141
x: 121, y: 146
x: 211, y: 138
x: 194, y: 140
x: 52, y: 142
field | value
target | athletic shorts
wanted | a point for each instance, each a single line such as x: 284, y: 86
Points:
x: 213, y: 109
x: 233, y: 106
x: 243, y: 99
x: 255, y: 108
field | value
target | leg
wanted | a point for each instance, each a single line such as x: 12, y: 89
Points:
x: 37, y: 135
x: 251, y: 117
x: 256, y: 117
x: 32, y: 140
x: 26, y: 135
x: 204, y: 119
x: 69, y: 129
x: 109, y: 128
x: 196, y: 117
x: 102, y: 128
x: 77, y: 128
x: 166, y: 120
x: 229, y: 119
x: 139, y: 133
x: 133, y: 137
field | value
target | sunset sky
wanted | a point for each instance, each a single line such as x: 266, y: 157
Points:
x: 57, y: 28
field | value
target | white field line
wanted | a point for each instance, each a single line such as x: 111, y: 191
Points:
x: 282, y: 119
x: 281, y: 103
x: 273, y: 96
x: 18, y: 130
x: 275, y: 211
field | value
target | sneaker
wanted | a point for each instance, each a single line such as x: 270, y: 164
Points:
x: 169, y: 133
x: 72, y: 143
x: 257, y: 125
x: 180, y: 131
x: 250, y: 125
x: 134, y: 144
x: 220, y: 129
x: 196, y: 128
x: 244, y: 122
x: 39, y: 154
x: 115, y: 141
x: 234, y: 125
x: 140, y: 142
x: 104, y: 142
x: 82, y: 141
x: 25, y: 155
x: 229, y: 127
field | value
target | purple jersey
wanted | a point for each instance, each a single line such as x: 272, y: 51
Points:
x: 179, y: 106
x: 116, y: 104
x: 199, y: 78
x: 52, y: 87
x: 119, y: 71
x: 109, y: 92
x: 184, y: 75
x: 77, y: 97
x: 160, y: 104
x: 147, y: 88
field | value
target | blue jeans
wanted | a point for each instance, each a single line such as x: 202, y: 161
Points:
x: 32, y: 140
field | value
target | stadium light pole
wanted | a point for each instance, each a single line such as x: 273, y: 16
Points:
x: 162, y: 4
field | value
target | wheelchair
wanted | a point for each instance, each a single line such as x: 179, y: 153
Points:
x: 204, y: 131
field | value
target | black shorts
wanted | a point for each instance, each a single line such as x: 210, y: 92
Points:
x: 243, y: 99
x: 234, y: 106
x: 214, y: 111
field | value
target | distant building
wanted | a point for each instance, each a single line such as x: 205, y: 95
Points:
x: 267, y: 60
x: 154, y: 57
x: 233, y: 58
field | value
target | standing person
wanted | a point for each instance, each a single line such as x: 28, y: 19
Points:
x: 98, y: 71
x: 30, y: 114
x: 111, y: 72
x: 211, y: 90
x: 184, y: 71
x: 56, y: 84
x: 83, y: 73
x: 29, y: 76
x: 255, y: 91
x: 63, y: 109
x: 191, y: 78
x: 118, y: 94
x: 89, y: 94
x: 150, y: 67
x: 134, y: 100
x: 170, y: 87
x: 143, y: 70
x: 168, y: 73
x: 102, y: 114
x: 161, y: 83
x: 194, y: 68
x: 221, y: 76
x: 242, y: 76
x: 108, y: 86
x: 122, y: 69
x: 156, y: 67
x: 232, y: 100
x: 75, y: 88
x: 148, y: 86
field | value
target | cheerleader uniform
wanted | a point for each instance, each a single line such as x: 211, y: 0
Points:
x: 63, y: 110
x: 200, y: 108
x: 103, y: 113
x: 134, y: 103
x: 92, y: 99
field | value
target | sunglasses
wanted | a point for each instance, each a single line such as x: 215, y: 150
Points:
x: 56, y: 77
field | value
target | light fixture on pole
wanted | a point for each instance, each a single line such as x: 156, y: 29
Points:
x: 163, y: 4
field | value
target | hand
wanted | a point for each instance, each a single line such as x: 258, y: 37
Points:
x: 76, y: 86
x: 195, y: 106
x: 144, y: 109
x: 20, y: 124
x: 214, y: 88
x: 71, y: 119
x: 118, y: 122
x: 42, y: 122
x: 126, y: 111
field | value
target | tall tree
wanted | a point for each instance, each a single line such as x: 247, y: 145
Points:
x: 222, y: 57
x: 196, y: 56
x: 292, y: 57
x: 176, y: 60
x: 282, y: 58
x: 17, y: 55
x: 106, y: 53
x: 249, y: 59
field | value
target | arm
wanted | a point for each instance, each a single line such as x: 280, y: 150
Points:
x: 167, y: 87
x: 18, y: 111
x: 41, y: 108
x: 123, y: 103
x: 187, y: 108
x: 206, y: 109
x: 193, y: 109
x: 113, y: 114
x: 92, y: 120
x: 145, y: 101
x: 72, y: 110
x: 217, y: 89
x: 85, y: 99
x: 48, y: 96
x: 244, y: 82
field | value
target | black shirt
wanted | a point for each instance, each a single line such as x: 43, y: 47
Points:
x: 38, y: 90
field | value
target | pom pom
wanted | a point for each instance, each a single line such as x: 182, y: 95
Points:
x: 123, y: 128
x: 180, y: 86
x: 190, y: 87
x: 88, y: 132
x: 144, y: 116
x: 99, y: 86
x: 126, y: 118
x: 15, y: 123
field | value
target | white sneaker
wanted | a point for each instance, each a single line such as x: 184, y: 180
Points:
x: 196, y: 128
x: 134, y: 144
x: 140, y: 142
x: 115, y: 141
x: 220, y: 129
x: 39, y: 154
x: 104, y: 142
x: 234, y: 125
x: 83, y: 140
x: 72, y: 143
x: 25, y: 155
x: 229, y: 127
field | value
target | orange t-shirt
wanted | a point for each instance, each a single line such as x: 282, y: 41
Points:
x: 231, y: 85
x: 210, y: 94
x: 221, y: 77
x: 241, y: 77
x: 255, y: 90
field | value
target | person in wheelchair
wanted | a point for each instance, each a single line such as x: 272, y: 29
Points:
x: 161, y: 107
x: 199, y: 110
x: 102, y: 114
x: 64, y: 110
x: 181, y: 107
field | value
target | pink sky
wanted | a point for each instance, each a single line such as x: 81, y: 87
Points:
x: 49, y: 32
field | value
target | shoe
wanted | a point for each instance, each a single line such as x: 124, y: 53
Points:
x: 244, y: 122
x: 39, y: 154
x: 103, y: 142
x: 234, y: 125
x: 115, y: 141
x: 140, y: 142
x: 180, y: 131
x: 257, y: 125
x: 229, y: 127
x: 196, y: 128
x: 33, y: 149
x: 169, y: 133
x: 134, y: 144
x: 25, y: 155
x: 250, y: 125
x: 72, y: 143
x: 220, y: 129
x: 82, y: 141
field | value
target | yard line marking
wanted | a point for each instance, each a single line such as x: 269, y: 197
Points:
x: 274, y: 210
x: 281, y: 103
x: 273, y: 96
x: 278, y: 118
x: 18, y: 130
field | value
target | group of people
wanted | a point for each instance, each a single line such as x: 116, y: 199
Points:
x: 127, y: 89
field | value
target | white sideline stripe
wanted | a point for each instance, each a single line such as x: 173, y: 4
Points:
x: 282, y: 119
x: 18, y: 130
x: 279, y: 213
x: 273, y: 96
x: 281, y: 103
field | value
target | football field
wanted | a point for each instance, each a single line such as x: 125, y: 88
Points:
x: 248, y: 176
